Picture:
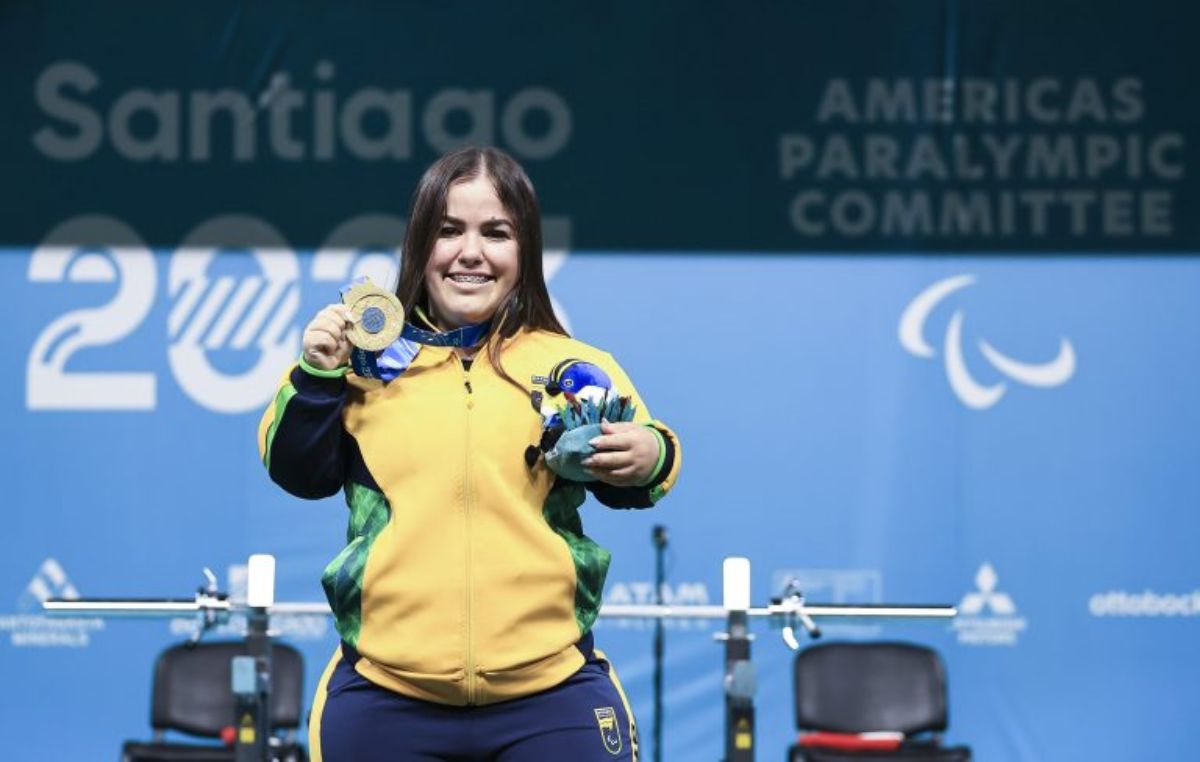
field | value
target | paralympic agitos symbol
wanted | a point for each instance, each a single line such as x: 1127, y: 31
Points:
x: 972, y: 393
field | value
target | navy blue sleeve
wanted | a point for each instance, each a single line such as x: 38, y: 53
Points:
x: 638, y: 497
x: 305, y: 442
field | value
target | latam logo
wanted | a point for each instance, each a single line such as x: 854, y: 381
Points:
x: 971, y: 392
x: 987, y: 616
x: 641, y: 593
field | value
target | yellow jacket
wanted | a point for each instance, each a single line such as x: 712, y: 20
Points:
x: 467, y: 578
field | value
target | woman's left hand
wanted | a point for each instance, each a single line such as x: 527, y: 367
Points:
x: 625, y: 456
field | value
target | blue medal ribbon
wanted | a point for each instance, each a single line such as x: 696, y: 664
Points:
x: 394, y: 359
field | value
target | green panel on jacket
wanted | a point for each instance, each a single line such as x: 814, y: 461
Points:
x: 343, y: 577
x: 561, y: 510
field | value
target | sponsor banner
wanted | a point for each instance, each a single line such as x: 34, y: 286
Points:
x: 806, y: 129
x: 839, y: 457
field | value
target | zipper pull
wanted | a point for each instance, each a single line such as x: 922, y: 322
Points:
x: 465, y: 367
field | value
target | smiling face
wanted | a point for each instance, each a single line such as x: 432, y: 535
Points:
x: 475, y: 258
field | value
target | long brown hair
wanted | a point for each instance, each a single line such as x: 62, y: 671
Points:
x: 528, y: 304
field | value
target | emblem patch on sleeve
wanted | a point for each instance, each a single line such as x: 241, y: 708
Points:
x: 610, y: 730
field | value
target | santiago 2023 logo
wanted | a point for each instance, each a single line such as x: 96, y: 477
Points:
x: 238, y: 301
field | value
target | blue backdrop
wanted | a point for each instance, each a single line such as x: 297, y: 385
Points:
x: 910, y: 358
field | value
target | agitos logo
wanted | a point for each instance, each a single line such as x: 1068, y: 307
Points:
x: 971, y: 392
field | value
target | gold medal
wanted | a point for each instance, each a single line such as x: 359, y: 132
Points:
x: 378, y: 316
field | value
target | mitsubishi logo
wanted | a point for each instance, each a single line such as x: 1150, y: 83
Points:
x: 987, y: 597
x: 987, y: 617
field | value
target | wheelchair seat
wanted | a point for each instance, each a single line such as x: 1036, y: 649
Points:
x: 192, y: 694
x: 853, y: 688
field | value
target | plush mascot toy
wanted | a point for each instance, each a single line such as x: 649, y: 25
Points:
x: 579, y: 395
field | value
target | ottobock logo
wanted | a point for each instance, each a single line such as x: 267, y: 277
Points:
x: 971, y: 392
x: 987, y: 616
x: 31, y: 628
x: 1146, y: 603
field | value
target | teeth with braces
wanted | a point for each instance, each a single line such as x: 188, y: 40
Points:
x: 470, y: 278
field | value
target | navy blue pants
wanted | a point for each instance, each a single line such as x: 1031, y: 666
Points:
x: 583, y: 719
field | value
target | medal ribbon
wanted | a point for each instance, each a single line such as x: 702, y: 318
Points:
x: 391, y: 361
x: 394, y: 359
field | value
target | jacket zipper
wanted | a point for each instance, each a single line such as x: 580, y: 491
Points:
x: 470, y: 661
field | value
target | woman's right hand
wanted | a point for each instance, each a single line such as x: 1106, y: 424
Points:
x: 325, y: 343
